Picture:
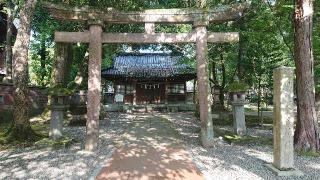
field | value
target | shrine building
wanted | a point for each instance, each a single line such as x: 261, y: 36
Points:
x: 149, y: 78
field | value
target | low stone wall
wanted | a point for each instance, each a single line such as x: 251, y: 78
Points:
x: 146, y: 108
x: 37, y: 97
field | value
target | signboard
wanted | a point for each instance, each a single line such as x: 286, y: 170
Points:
x: 118, y: 98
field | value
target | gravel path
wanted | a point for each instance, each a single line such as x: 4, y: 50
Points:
x: 71, y: 163
x: 223, y: 161
x: 226, y: 161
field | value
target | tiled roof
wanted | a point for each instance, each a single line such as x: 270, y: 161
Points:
x: 148, y: 65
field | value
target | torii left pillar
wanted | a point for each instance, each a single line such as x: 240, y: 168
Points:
x: 207, y: 135
x: 94, y: 85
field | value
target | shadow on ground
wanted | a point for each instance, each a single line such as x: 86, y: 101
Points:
x: 150, y: 149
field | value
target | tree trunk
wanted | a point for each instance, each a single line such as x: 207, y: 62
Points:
x: 68, y: 63
x: 11, y: 11
x: 307, y: 131
x: 318, y: 106
x: 223, y: 84
x: 43, y: 60
x: 241, y: 50
x: 80, y: 75
x: 259, y: 101
x: 61, y: 57
x: 21, y: 125
x: 214, y: 73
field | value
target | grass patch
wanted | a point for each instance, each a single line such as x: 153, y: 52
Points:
x: 40, y: 128
x: 251, y: 121
x: 232, y: 138
x: 309, y: 154
x: 249, y: 140
x: 64, y: 142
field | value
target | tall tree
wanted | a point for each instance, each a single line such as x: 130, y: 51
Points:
x: 307, y: 131
x: 21, y: 125
x: 12, y: 8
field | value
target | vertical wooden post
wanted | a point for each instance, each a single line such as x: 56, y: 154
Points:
x: 203, y: 84
x: 94, y: 86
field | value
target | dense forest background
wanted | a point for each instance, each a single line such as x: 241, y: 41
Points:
x: 266, y: 42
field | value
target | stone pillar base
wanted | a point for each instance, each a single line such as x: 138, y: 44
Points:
x: 239, y: 121
x: 56, y: 123
x: 286, y: 173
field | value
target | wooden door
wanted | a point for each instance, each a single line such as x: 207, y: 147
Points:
x: 150, y: 95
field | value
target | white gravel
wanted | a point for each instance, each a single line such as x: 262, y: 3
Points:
x: 71, y: 163
x: 225, y: 161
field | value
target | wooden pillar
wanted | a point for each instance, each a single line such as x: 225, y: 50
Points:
x: 203, y: 84
x: 94, y: 86
x: 134, y: 92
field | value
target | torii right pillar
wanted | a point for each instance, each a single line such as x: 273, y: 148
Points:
x: 204, y: 94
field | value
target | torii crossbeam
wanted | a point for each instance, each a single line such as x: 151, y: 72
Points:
x: 200, y: 18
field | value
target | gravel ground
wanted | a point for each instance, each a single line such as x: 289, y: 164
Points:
x: 226, y: 161
x: 223, y: 161
x: 70, y: 163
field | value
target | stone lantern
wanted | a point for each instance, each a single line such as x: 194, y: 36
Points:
x: 238, y: 100
x: 58, y: 106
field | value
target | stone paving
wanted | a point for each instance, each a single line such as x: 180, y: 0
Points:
x: 150, y: 149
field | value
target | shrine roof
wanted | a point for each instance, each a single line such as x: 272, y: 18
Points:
x: 148, y: 65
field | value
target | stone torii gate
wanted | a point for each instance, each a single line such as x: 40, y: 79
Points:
x: 200, y: 18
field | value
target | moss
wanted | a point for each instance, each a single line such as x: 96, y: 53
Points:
x: 41, y: 128
x: 248, y: 140
x: 237, y: 87
x: 64, y: 142
x: 15, y: 138
x: 58, y: 90
x: 309, y: 154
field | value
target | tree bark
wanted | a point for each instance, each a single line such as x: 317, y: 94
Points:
x: 79, y: 79
x: 60, y: 62
x: 42, y: 54
x: 68, y: 64
x: 11, y: 11
x: 241, y: 50
x: 21, y: 125
x: 307, y: 131
x: 223, y: 83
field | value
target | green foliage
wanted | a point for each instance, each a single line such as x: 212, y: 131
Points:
x: 238, y: 87
x: 266, y: 41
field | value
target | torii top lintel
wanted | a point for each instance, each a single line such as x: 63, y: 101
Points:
x: 185, y: 15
